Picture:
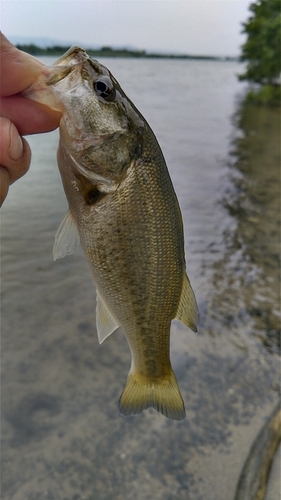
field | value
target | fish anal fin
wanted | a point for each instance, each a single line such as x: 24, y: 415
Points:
x: 67, y: 238
x: 187, y: 311
x: 106, y: 324
x: 163, y: 394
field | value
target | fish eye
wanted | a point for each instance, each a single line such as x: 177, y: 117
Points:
x: 104, y: 88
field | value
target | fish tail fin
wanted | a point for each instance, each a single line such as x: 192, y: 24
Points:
x: 163, y: 394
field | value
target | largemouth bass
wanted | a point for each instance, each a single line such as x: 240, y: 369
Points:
x: 124, y: 210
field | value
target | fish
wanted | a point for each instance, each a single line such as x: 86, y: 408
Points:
x: 124, y: 211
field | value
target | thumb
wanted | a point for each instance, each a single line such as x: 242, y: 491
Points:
x: 15, y: 156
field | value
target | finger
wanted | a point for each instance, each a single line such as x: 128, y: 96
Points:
x: 29, y: 116
x: 15, y: 154
x: 18, y: 69
x: 4, y: 184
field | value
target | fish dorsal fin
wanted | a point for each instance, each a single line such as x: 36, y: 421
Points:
x: 67, y: 238
x: 106, y: 324
x: 187, y: 311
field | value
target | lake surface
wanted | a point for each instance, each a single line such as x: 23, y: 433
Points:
x: 63, y: 438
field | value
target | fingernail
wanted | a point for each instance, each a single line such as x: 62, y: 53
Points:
x: 16, y: 144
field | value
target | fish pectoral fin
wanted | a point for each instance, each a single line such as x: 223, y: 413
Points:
x: 67, y: 238
x: 187, y: 311
x: 106, y: 324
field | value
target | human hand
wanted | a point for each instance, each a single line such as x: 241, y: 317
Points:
x: 19, y: 116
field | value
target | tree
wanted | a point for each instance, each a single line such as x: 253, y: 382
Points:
x: 262, y: 48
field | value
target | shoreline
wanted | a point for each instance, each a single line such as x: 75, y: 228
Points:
x: 57, y: 50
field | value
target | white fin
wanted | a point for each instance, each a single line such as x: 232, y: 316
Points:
x: 187, y: 311
x: 106, y: 324
x: 67, y: 238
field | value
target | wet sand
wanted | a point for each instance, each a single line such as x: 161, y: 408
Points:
x: 63, y: 438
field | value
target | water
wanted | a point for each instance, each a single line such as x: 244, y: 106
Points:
x: 62, y: 435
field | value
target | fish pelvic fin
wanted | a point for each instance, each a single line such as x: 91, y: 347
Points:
x: 163, y: 394
x: 187, y: 311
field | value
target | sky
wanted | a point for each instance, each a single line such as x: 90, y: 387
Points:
x: 196, y: 27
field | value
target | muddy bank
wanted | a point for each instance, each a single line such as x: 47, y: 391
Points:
x: 247, y: 279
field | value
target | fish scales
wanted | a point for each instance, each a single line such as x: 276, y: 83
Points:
x: 113, y: 219
x: 123, y: 205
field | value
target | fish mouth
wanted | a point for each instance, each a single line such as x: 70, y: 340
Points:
x: 40, y: 91
x: 72, y: 60
x: 74, y: 55
x: 75, y: 64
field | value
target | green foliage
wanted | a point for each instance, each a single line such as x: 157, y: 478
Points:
x: 267, y: 95
x: 262, y: 48
x: 55, y: 50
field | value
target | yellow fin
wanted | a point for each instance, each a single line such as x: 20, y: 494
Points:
x: 187, y: 311
x: 106, y: 324
x: 163, y: 394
